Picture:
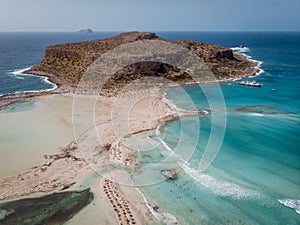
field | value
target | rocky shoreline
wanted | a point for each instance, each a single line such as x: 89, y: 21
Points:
x: 65, y: 64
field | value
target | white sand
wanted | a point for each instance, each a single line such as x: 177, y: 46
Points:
x: 25, y: 137
x: 48, y: 128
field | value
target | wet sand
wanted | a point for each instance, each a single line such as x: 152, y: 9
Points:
x: 27, y: 135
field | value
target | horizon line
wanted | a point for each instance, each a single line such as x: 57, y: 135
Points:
x: 98, y: 31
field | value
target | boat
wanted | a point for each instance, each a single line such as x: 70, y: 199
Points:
x: 250, y: 83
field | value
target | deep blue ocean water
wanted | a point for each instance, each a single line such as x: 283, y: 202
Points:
x: 255, y: 177
x: 19, y: 51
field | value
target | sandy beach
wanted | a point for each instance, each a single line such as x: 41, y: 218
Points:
x: 61, y: 141
x: 35, y: 128
x: 80, y: 141
x: 72, y: 141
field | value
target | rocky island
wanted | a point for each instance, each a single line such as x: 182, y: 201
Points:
x: 86, y: 31
x: 66, y: 63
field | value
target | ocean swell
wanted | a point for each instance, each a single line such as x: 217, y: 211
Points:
x: 19, y: 74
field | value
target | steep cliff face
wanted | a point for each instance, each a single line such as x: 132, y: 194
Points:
x: 66, y: 63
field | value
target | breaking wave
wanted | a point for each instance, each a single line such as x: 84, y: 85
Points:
x: 19, y: 74
x: 166, y: 218
x: 221, y: 188
x: 242, y: 51
x: 291, y: 203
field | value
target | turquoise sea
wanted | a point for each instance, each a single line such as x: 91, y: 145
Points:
x: 255, y: 176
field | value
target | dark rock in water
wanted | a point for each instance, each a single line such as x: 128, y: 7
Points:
x: 86, y: 31
x: 170, y: 174
x: 155, y: 208
x: 53, y: 209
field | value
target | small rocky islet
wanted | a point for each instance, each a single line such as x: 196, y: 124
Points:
x: 86, y: 31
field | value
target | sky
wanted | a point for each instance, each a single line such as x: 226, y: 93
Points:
x: 150, y: 15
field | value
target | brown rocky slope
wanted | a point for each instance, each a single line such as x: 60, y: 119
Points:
x: 64, y: 64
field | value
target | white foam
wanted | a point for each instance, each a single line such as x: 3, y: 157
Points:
x: 35, y: 91
x: 242, y: 51
x: 180, y: 111
x: 221, y: 188
x: 205, y: 112
x: 19, y: 74
x: 157, y: 130
x: 165, y: 145
x: 170, y: 103
x: 260, y: 70
x: 20, y: 71
x: 257, y: 114
x: 173, y: 154
x: 166, y: 218
x: 236, y: 79
x: 17, y: 77
x: 291, y: 203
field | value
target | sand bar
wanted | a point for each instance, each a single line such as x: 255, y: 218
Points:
x: 101, y: 126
